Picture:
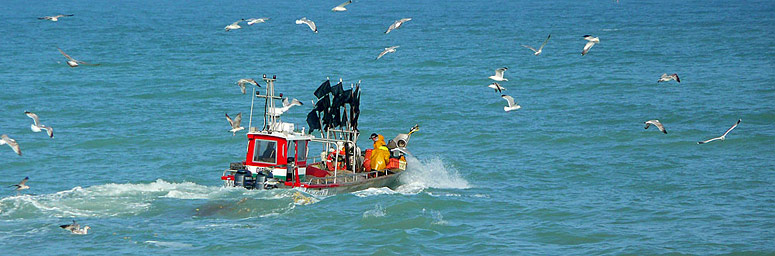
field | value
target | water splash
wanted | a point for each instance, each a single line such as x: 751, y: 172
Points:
x: 430, y: 173
x: 378, y: 211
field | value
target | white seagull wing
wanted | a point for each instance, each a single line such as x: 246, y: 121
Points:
x: 545, y: 41
x: 730, y: 128
x: 34, y: 117
x: 509, y: 100
x: 587, y: 47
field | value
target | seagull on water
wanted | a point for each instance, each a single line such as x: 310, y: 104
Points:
x: 55, y: 18
x: 235, y: 123
x: 655, y: 123
x: 21, y: 185
x: 540, y: 49
x: 75, y: 228
x: 244, y: 81
x: 397, y: 24
x: 234, y: 25
x: 36, y: 126
x: 340, y: 8
x: 499, y: 75
x: 309, y: 23
x: 512, y: 105
x: 387, y: 50
x: 4, y: 139
x: 592, y: 41
x: 254, y: 21
x: 666, y: 78
x: 722, y: 137
x: 73, y: 62
x: 287, y: 104
x: 497, y: 87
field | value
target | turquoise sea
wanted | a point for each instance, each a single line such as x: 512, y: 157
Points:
x: 141, y: 140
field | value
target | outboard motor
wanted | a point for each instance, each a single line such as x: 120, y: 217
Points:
x: 243, y: 178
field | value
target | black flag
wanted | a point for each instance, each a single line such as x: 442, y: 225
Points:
x: 323, y: 104
x: 323, y: 89
x: 313, y: 121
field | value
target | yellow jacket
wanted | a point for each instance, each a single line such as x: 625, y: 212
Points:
x: 380, y: 155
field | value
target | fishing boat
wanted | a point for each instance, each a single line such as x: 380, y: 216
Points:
x: 278, y: 153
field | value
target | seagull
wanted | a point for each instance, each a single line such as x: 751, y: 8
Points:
x: 497, y: 87
x: 75, y: 228
x: 499, y: 74
x: 592, y: 42
x: 4, y: 139
x: 722, y: 137
x: 340, y: 8
x: 55, y: 18
x: 254, y: 21
x: 666, y: 78
x: 387, y: 50
x: 235, y: 123
x: 36, y: 126
x: 286, y: 105
x: 234, y: 25
x: 655, y: 123
x: 309, y: 23
x: 21, y: 185
x: 397, y: 24
x: 512, y: 105
x: 73, y: 62
x: 244, y: 81
x: 538, y: 52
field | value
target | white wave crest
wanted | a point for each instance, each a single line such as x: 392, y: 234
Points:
x: 374, y: 191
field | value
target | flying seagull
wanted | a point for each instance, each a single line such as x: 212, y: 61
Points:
x: 36, y: 126
x: 666, y: 78
x: 75, y: 228
x: 309, y: 23
x: 497, y: 87
x: 592, y: 41
x: 234, y: 25
x: 244, y: 81
x: 540, y: 49
x: 55, y: 18
x: 73, y: 62
x: 722, y: 137
x: 4, y: 139
x: 511, y: 104
x: 499, y: 74
x: 340, y: 8
x: 235, y: 123
x: 397, y: 24
x: 287, y: 104
x: 254, y: 21
x: 387, y: 50
x: 21, y: 185
x: 655, y: 123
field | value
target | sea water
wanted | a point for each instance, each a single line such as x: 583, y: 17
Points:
x: 141, y: 140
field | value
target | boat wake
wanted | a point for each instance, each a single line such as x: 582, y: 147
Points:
x: 130, y: 199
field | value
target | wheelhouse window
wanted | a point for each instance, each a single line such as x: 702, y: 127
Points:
x: 265, y: 151
x: 301, y: 151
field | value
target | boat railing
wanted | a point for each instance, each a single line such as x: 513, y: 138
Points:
x: 346, y: 178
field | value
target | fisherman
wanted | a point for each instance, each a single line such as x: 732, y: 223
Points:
x: 380, y: 155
